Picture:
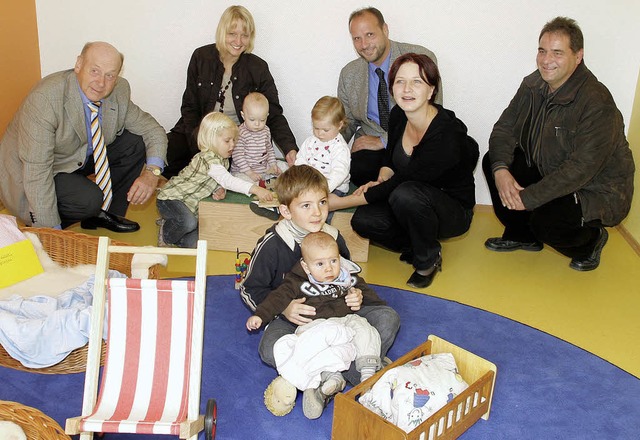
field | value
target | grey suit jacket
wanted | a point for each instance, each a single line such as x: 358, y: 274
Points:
x: 48, y: 136
x: 353, y: 91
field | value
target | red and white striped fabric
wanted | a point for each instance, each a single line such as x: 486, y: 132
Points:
x: 145, y: 381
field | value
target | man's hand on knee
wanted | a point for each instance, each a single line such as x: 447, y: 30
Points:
x: 143, y: 188
x: 508, y: 189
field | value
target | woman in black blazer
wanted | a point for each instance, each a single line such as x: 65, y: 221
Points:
x: 425, y: 189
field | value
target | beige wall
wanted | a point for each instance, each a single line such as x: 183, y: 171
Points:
x: 632, y: 222
x: 20, y: 55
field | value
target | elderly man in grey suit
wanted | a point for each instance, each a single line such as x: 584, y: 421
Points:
x: 364, y: 91
x: 78, y: 149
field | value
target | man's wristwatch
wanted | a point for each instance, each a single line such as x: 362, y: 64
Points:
x: 154, y: 170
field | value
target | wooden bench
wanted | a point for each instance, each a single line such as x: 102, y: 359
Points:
x: 230, y: 224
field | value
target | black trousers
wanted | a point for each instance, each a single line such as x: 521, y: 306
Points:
x: 412, y: 220
x: 179, y: 153
x: 558, y: 223
x: 80, y: 198
x: 365, y: 166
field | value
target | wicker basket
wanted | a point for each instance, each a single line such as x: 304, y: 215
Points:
x: 69, y: 249
x: 34, y: 423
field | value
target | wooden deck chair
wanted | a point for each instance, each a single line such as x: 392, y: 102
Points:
x: 153, y: 366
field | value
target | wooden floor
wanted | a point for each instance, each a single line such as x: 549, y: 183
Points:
x: 598, y: 311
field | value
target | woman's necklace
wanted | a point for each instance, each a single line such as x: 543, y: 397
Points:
x: 221, y: 95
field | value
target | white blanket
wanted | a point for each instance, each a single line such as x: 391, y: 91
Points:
x: 321, y: 345
x: 11, y: 431
x: 409, y: 394
x: 44, y: 318
x: 42, y: 330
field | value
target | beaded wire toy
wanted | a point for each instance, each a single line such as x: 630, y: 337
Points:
x: 241, y: 267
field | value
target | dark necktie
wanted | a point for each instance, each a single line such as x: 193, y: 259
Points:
x: 383, y: 100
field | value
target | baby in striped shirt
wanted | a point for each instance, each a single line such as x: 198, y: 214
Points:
x: 254, y: 157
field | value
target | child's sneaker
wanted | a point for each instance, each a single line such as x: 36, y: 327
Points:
x: 270, y: 213
x: 313, y: 402
x: 332, y: 383
x: 161, y: 242
x: 366, y: 373
x: 367, y: 365
x: 280, y: 396
x: 315, y: 399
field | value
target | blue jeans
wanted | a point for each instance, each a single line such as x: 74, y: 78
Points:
x: 180, y: 224
x: 339, y: 194
x: 382, y: 318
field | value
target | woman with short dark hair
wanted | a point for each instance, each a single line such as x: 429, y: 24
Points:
x: 425, y: 189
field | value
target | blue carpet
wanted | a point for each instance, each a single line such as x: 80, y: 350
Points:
x: 545, y: 389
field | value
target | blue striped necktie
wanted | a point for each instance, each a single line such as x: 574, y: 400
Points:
x: 101, y: 162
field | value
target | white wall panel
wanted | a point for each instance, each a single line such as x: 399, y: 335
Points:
x: 484, y: 47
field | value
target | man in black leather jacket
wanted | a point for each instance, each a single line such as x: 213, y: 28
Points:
x: 559, y: 167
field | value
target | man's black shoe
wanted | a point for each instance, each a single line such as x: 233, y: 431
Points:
x: 593, y: 260
x: 111, y: 222
x: 499, y: 244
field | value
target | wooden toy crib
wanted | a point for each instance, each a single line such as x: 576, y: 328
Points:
x: 352, y: 421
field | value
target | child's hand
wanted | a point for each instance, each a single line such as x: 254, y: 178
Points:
x: 253, y: 176
x: 354, y: 299
x: 363, y: 189
x: 273, y: 169
x: 219, y: 194
x: 254, y: 323
x: 263, y: 194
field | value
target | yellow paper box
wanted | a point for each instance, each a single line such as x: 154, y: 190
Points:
x: 18, y: 262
